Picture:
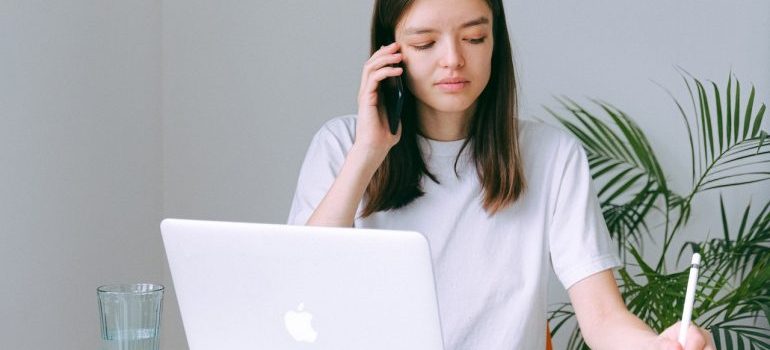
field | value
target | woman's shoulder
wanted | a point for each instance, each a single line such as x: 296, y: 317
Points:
x: 343, y: 124
x: 546, y: 151
x: 333, y: 140
x: 342, y: 128
x: 537, y: 135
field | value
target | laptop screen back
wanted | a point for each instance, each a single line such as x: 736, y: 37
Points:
x: 263, y: 286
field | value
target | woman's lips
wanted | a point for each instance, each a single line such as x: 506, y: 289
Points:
x: 452, y: 87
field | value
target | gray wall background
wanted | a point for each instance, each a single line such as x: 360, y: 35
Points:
x: 114, y: 115
x: 80, y: 163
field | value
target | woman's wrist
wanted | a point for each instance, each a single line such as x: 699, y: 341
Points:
x: 368, y: 158
x: 338, y: 207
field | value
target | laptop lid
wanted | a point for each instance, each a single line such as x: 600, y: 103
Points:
x: 265, y: 286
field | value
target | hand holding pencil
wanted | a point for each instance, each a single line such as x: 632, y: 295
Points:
x: 684, y: 335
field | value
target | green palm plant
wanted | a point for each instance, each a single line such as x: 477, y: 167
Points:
x: 728, y: 149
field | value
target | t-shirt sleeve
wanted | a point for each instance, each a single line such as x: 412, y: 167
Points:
x: 579, y: 241
x: 322, y: 163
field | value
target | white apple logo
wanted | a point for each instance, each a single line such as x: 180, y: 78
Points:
x: 298, y: 325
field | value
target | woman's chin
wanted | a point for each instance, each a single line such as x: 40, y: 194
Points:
x: 453, y: 104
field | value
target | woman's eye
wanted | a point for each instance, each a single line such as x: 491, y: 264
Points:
x: 472, y: 41
x: 477, y: 40
x: 423, y: 47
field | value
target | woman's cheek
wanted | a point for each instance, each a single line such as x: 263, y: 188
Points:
x: 414, y: 69
x: 412, y: 75
x: 410, y: 84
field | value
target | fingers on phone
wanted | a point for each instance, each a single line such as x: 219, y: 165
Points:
x: 383, y: 51
x: 382, y: 61
x: 381, y: 74
x: 380, y: 66
x: 393, y: 47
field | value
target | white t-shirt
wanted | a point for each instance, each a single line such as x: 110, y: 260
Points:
x: 491, y: 271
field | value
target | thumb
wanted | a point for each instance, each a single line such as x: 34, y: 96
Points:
x: 670, y: 344
x: 668, y: 339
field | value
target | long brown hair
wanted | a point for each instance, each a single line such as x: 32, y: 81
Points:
x: 493, y: 132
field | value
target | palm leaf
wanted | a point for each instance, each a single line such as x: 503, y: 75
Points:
x: 732, y: 335
x: 730, y: 144
x: 751, y: 243
x: 653, y: 296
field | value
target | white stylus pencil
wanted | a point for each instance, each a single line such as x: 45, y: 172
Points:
x: 689, y: 298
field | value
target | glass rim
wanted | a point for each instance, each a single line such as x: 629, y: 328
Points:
x: 129, y: 288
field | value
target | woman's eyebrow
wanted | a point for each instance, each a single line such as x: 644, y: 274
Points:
x: 478, y: 21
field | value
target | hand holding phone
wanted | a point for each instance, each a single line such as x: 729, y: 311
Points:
x: 375, y: 98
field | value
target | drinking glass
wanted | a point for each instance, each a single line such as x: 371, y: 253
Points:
x: 130, y: 316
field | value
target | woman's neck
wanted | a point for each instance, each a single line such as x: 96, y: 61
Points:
x: 444, y: 126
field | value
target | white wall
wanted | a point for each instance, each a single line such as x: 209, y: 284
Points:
x: 246, y: 84
x: 80, y: 163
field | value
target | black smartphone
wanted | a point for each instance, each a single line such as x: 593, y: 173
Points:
x: 394, y: 95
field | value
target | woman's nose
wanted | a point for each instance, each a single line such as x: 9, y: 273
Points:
x: 452, y: 56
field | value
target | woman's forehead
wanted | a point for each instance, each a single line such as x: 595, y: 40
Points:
x: 424, y: 16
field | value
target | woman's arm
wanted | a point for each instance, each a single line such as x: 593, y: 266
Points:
x: 372, y: 143
x: 338, y: 207
x: 606, y: 323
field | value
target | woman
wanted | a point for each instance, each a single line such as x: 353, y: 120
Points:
x: 499, y: 200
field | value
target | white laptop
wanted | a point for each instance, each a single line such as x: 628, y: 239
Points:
x: 275, y: 287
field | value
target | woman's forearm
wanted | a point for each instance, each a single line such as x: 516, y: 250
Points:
x: 338, y: 208
x: 604, y: 320
x: 620, y: 331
